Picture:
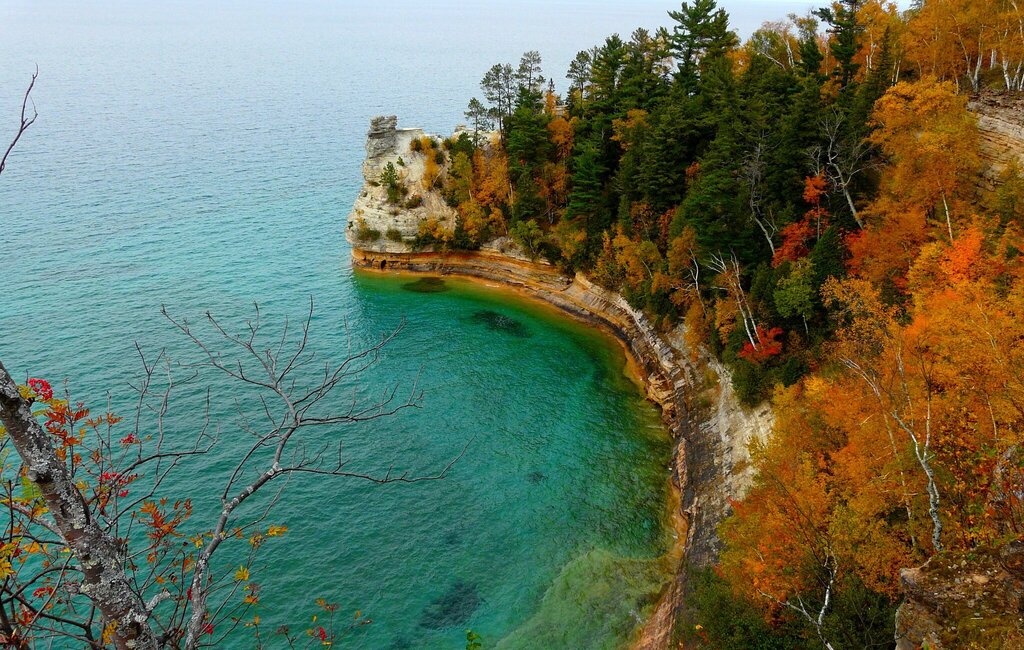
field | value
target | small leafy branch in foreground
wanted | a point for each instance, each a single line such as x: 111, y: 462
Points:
x: 97, y: 552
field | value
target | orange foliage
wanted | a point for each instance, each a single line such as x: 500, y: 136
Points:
x: 625, y: 130
x: 884, y: 250
x: 931, y: 139
x: 431, y: 173
x: 795, y: 236
x: 491, y: 178
x: 562, y: 133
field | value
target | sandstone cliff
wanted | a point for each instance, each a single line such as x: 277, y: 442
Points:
x: 373, y: 216
x: 713, y: 431
x: 1001, y: 130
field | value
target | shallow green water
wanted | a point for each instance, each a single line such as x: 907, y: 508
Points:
x: 548, y: 532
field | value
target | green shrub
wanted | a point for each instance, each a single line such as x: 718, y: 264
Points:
x: 717, y: 618
x: 462, y: 144
x: 390, y: 179
x: 394, y: 234
x: 414, y: 202
x: 365, y: 233
x: 529, y: 237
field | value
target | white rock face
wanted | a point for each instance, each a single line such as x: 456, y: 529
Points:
x: 372, y: 212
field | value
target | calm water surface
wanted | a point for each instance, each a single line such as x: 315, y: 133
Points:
x: 205, y: 158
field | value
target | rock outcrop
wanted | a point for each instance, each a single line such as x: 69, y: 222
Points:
x: 964, y: 600
x: 382, y: 139
x: 1001, y: 131
x: 378, y: 224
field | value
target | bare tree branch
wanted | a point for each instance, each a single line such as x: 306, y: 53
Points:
x: 25, y: 122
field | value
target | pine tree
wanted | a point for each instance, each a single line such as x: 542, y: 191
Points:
x: 701, y: 32
x: 846, y: 31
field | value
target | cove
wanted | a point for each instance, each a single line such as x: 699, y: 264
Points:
x: 548, y: 532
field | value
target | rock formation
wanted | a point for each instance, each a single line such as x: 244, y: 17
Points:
x: 378, y: 224
x: 964, y: 600
x: 1001, y: 131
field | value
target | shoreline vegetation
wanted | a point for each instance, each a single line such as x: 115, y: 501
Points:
x: 805, y: 235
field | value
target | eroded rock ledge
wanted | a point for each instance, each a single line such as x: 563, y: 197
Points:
x: 1001, y: 134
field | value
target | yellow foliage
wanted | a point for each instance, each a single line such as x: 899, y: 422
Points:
x: 433, y: 232
x: 492, y: 182
x: 562, y: 133
x: 931, y: 138
x: 626, y: 130
x: 431, y: 173
x: 108, y: 632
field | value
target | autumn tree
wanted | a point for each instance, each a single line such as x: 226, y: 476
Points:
x: 931, y: 142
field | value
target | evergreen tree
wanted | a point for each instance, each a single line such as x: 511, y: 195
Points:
x: 675, y: 140
x: 529, y: 79
x: 846, y: 31
x: 499, y: 88
x: 479, y: 118
x: 586, y: 202
x: 701, y: 32
x: 579, y: 71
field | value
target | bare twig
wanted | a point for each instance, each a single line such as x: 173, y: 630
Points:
x: 25, y: 122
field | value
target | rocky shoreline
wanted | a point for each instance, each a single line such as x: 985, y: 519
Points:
x: 711, y: 430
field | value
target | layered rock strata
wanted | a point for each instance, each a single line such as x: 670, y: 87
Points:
x: 1001, y: 133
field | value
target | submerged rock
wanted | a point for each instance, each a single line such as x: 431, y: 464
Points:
x: 453, y: 608
x: 496, y: 322
x: 427, y: 285
x: 536, y: 477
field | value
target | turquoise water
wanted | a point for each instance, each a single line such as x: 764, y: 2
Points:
x: 205, y: 158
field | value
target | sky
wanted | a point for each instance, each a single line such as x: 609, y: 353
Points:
x: 746, y: 15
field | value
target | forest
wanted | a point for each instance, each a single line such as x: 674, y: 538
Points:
x: 807, y: 205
